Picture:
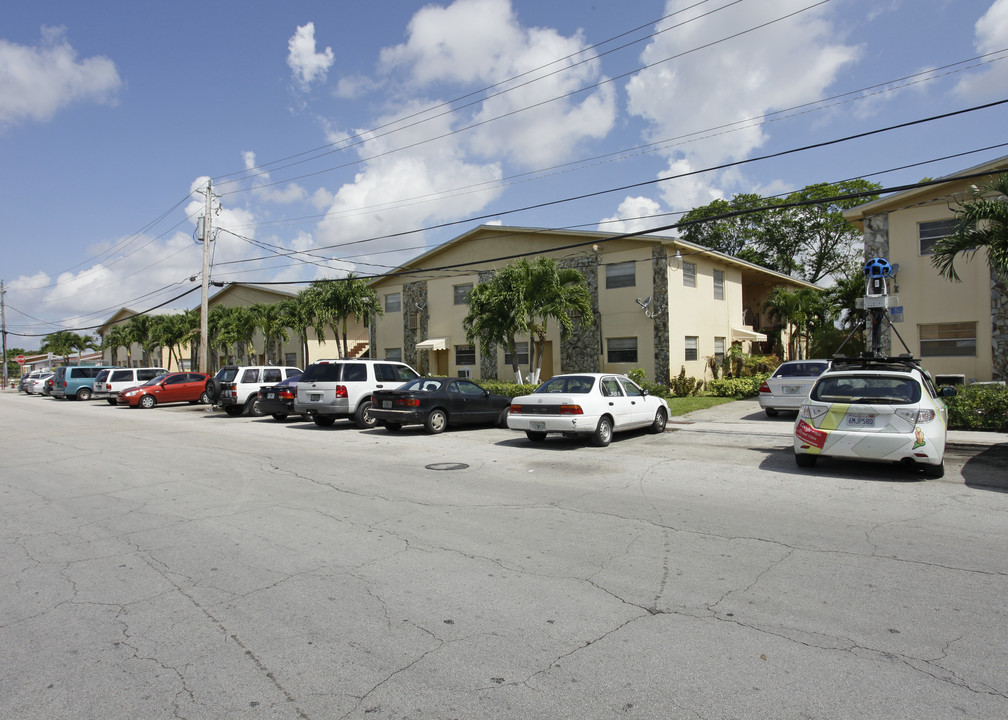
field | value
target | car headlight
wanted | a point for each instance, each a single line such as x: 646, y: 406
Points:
x: 131, y: 393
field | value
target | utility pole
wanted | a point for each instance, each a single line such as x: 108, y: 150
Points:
x: 3, y: 331
x: 204, y: 303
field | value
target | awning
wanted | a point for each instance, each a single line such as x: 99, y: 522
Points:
x: 433, y: 344
x: 743, y: 334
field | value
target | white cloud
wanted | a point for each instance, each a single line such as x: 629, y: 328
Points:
x: 728, y: 82
x: 36, y: 82
x: 632, y: 215
x: 991, y: 34
x: 479, y: 43
x: 307, y: 65
x: 265, y: 190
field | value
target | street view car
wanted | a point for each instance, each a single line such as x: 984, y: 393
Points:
x: 436, y: 403
x: 885, y: 410
x: 789, y: 384
x: 588, y: 404
x: 187, y: 387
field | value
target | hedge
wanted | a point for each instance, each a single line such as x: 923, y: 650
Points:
x: 979, y: 407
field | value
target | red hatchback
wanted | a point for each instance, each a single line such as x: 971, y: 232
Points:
x: 187, y: 387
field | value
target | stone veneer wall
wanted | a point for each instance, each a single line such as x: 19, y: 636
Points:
x: 414, y: 300
x: 580, y: 351
x: 660, y: 305
x: 999, y: 327
x: 876, y: 245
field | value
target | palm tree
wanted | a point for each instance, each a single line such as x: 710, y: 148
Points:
x: 335, y: 301
x: 799, y: 311
x: 493, y: 318
x: 138, y: 331
x: 270, y: 321
x: 114, y: 339
x: 80, y: 343
x: 982, y: 222
x: 298, y: 315
x: 59, y: 343
x: 171, y: 331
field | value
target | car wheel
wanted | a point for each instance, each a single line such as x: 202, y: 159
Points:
x: 213, y: 390
x: 502, y: 420
x: 436, y: 421
x: 234, y: 410
x: 324, y: 420
x: 84, y: 394
x: 770, y: 412
x: 658, y: 426
x: 535, y: 436
x: 603, y: 433
x: 204, y: 399
x: 934, y: 471
x: 111, y: 402
x: 147, y: 402
x: 363, y: 417
x: 252, y: 406
x: 393, y: 427
x: 805, y: 460
x: 279, y: 417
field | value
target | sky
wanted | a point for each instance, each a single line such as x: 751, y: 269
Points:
x: 344, y: 137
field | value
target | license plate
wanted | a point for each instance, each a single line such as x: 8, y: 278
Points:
x: 270, y: 396
x: 537, y: 426
x: 861, y: 421
x: 792, y: 389
x: 386, y: 404
x: 315, y: 397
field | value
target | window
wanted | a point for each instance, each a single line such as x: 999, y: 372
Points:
x: 621, y: 350
x: 521, y: 348
x: 465, y: 355
x: 931, y: 232
x: 461, y: 293
x: 948, y: 339
x: 719, y: 285
x: 414, y: 320
x: 250, y: 376
x: 465, y: 387
x: 631, y: 388
x: 691, y: 347
x: 272, y: 375
x: 394, y: 354
x: 619, y: 275
x: 354, y: 372
x: 719, y: 349
x: 689, y: 274
x: 393, y: 302
x: 290, y: 358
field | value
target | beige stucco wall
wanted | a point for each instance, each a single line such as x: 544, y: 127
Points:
x: 927, y: 298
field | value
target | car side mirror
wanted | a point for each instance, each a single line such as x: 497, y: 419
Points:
x: 948, y: 391
x: 644, y: 392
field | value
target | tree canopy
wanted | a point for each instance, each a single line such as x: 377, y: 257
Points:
x: 982, y: 223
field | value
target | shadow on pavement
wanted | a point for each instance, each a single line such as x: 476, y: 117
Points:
x: 988, y: 469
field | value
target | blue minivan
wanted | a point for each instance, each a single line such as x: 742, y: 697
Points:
x: 76, y: 382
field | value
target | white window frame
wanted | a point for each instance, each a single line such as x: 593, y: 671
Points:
x: 955, y: 339
x: 719, y: 286
x: 624, y: 347
x: 620, y: 275
x: 692, y: 343
x: 689, y: 274
x: 931, y: 231
x: 393, y: 302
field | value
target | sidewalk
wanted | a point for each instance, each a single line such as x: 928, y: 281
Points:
x: 747, y: 417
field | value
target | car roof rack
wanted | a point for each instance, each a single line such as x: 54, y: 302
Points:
x: 869, y: 361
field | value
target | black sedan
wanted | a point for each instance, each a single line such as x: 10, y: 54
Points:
x: 278, y: 400
x: 436, y: 403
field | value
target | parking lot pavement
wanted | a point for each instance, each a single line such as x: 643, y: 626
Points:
x: 746, y: 417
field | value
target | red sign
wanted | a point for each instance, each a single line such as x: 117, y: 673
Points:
x: 811, y: 435
x: 20, y: 359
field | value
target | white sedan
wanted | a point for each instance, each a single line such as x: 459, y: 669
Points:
x: 592, y: 404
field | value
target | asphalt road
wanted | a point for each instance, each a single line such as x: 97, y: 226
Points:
x: 180, y: 563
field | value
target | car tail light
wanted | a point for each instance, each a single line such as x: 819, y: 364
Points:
x: 341, y: 391
x: 924, y: 416
x: 515, y: 409
x: 571, y: 410
x: 764, y: 388
x: 408, y: 402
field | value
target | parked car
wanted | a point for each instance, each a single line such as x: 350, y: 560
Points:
x: 789, y: 385
x: 587, y: 404
x: 236, y: 387
x: 47, y: 385
x: 37, y: 385
x: 436, y: 403
x: 873, y: 409
x: 27, y: 379
x: 331, y: 389
x: 76, y: 382
x: 115, y: 380
x: 278, y: 400
x: 187, y: 387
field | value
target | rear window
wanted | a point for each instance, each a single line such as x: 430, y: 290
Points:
x: 567, y: 384
x: 867, y: 389
x: 102, y: 376
x: 323, y: 372
x: 122, y: 376
x: 227, y: 374
x: 801, y: 369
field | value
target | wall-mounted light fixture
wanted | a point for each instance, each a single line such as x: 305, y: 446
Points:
x: 675, y: 262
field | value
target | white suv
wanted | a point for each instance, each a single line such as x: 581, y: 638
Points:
x: 236, y: 387
x: 111, y: 382
x: 331, y: 389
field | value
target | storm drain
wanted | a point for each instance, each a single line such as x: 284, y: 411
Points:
x: 446, y: 466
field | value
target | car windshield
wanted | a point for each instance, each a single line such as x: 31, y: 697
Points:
x: 155, y: 381
x: 578, y: 384
x: 800, y: 369
x: 867, y: 389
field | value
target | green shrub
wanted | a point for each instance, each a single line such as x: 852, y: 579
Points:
x: 507, y: 389
x: 979, y: 407
x: 639, y: 376
x: 682, y: 386
x: 760, y: 365
x: 743, y: 387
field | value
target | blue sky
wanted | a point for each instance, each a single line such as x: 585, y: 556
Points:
x: 350, y: 132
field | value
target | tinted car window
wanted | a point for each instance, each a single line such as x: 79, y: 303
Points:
x: 123, y: 376
x: 801, y: 369
x: 147, y: 374
x: 867, y: 389
x: 322, y: 372
x: 390, y: 372
x: 272, y: 375
x: 567, y: 384
x: 250, y: 376
x: 468, y: 388
x: 354, y: 372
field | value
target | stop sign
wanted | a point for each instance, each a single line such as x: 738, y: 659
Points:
x: 20, y: 359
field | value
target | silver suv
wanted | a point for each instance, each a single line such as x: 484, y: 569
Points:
x: 236, y: 387
x: 331, y: 389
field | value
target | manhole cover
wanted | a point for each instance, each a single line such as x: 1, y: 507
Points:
x: 446, y: 466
